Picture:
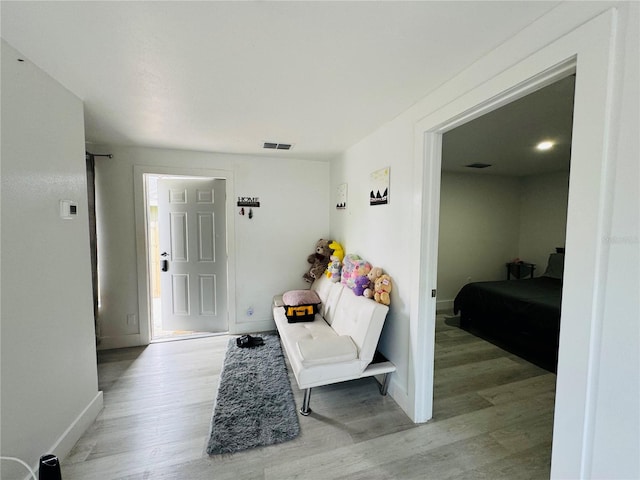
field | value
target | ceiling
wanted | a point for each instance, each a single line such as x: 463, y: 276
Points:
x: 229, y: 76
x: 506, y: 138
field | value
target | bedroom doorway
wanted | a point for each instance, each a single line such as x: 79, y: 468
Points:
x: 501, y: 200
x: 503, y: 215
x: 589, y: 206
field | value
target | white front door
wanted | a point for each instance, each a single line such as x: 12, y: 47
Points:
x: 191, y: 220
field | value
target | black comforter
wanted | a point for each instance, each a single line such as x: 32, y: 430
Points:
x: 523, y: 313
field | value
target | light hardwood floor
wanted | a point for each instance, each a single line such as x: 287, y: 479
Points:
x: 493, y: 416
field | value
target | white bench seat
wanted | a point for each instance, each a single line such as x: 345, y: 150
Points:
x: 340, y: 343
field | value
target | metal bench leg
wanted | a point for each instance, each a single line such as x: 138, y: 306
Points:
x: 305, y: 410
x: 384, y: 386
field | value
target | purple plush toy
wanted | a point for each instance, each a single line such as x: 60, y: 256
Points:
x: 361, y: 284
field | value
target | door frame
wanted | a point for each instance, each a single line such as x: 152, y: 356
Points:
x: 203, y: 323
x: 585, y: 264
x: 142, y: 240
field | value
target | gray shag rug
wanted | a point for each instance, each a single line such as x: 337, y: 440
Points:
x: 255, y: 405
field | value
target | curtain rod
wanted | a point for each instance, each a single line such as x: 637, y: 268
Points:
x: 93, y: 155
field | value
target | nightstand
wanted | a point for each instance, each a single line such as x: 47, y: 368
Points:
x: 520, y: 270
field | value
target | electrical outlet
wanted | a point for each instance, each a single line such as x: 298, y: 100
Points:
x: 132, y: 319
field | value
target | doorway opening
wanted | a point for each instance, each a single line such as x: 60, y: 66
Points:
x: 502, y: 218
x: 589, y: 204
x: 186, y: 256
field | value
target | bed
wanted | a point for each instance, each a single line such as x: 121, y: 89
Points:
x: 522, y: 316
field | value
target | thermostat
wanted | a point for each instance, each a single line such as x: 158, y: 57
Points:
x: 68, y: 209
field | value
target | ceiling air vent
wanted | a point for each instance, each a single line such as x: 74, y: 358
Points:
x: 478, y: 165
x: 277, y: 146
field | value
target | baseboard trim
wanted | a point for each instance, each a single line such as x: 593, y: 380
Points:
x: 252, y: 327
x: 62, y: 447
x: 121, y: 341
x: 444, y: 305
x: 399, y: 396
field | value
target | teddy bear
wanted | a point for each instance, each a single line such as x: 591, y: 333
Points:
x: 318, y: 260
x: 373, y: 274
x: 382, y: 289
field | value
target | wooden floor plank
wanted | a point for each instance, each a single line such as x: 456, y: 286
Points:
x: 493, y: 415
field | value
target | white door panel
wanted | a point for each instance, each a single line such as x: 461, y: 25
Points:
x: 206, y: 237
x: 180, y: 294
x: 179, y: 237
x: 192, y: 232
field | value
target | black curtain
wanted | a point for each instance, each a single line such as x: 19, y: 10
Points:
x: 93, y: 239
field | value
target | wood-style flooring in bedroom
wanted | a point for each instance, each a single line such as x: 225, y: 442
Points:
x: 493, y: 415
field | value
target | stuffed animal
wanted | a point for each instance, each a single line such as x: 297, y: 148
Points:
x: 382, y: 289
x: 334, y: 270
x: 373, y: 274
x: 353, y: 267
x: 361, y: 283
x: 318, y: 260
x: 338, y: 251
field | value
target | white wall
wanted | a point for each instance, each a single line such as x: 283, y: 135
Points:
x: 49, y: 377
x: 543, y: 217
x: 610, y: 397
x: 488, y: 220
x: 270, y: 250
x: 381, y: 234
x: 616, y: 415
x: 479, y: 230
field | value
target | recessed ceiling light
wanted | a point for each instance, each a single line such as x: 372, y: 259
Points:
x: 546, y: 145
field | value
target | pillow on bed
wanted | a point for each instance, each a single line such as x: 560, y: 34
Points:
x: 555, y: 266
x: 301, y: 297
